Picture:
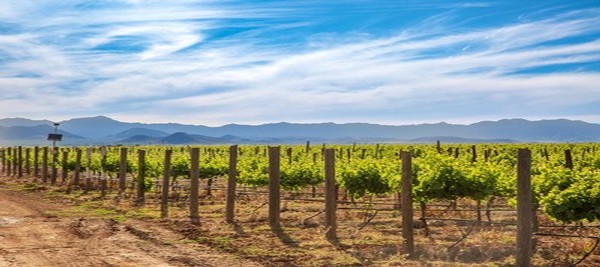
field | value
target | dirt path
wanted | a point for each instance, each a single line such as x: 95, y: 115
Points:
x: 28, y: 237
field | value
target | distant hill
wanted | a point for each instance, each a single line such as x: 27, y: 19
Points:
x: 140, y: 140
x: 106, y: 130
x: 37, y: 133
x: 9, y: 122
x: 140, y: 131
x: 457, y: 140
x: 174, y: 139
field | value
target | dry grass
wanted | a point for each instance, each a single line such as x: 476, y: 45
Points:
x: 300, y: 241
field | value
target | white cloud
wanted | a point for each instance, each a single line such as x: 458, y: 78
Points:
x: 248, y: 80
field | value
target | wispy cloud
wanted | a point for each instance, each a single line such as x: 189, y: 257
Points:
x: 215, y: 62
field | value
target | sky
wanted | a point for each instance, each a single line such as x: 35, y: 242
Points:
x: 252, y: 62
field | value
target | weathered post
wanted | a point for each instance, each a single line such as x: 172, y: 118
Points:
x: 407, y: 204
x: 231, y: 184
x: 122, y: 169
x: 88, y: 170
x: 77, y: 173
x: 2, y: 151
x: 103, y: 176
x: 524, y: 208
x: 330, y: 196
x: 568, y: 159
x: 164, y: 200
x: 65, y: 169
x: 45, y: 164
x: 274, y: 181
x: 54, y: 165
x: 20, y: 161
x: 195, y: 185
x: 28, y: 161
x: 36, y: 152
x: 141, y: 179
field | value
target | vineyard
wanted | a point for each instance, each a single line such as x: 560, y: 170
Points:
x: 370, y: 204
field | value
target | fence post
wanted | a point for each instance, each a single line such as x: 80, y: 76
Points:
x: 122, y: 169
x: 77, y: 173
x: 195, y: 186
x: 568, y: 159
x: 54, y: 167
x: 65, y: 170
x: 20, y: 161
x: 524, y: 207
x: 3, y: 160
x: 15, y: 161
x: 274, y: 181
x: 231, y: 181
x: 36, y: 152
x: 330, y: 196
x: 27, y: 161
x: 9, y: 161
x: 45, y: 164
x: 88, y: 170
x: 164, y: 201
x: 103, y: 179
x: 407, y: 204
x: 141, y: 181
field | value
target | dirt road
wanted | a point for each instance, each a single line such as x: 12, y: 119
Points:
x: 30, y: 237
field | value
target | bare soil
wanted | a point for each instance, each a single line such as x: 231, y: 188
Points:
x: 43, y: 225
x: 31, y: 236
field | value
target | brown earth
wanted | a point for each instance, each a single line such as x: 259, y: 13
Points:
x: 31, y: 236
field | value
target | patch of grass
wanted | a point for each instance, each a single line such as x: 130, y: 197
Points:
x: 32, y: 187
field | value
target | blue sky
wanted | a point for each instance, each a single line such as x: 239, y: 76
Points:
x: 251, y: 62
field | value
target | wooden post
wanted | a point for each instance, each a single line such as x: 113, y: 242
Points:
x: 194, y: 186
x: 103, y: 179
x: 289, y: 155
x: 330, y: 195
x: 473, y: 153
x: 231, y: 183
x: 307, y: 146
x: 28, y: 161
x: 2, y: 151
x: 438, y: 146
x: 88, y: 170
x: 122, y: 169
x: 36, y: 152
x: 407, y: 205
x: 568, y: 159
x: 54, y: 167
x: 274, y: 181
x: 8, y: 161
x: 141, y: 179
x: 349, y: 156
x: 20, y: 161
x: 164, y: 201
x: 65, y: 170
x: 77, y: 173
x: 45, y: 164
x: 524, y: 207
x: 15, y: 162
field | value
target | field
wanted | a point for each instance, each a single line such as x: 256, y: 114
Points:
x: 465, y: 202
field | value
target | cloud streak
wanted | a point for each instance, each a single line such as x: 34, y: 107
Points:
x: 213, y: 62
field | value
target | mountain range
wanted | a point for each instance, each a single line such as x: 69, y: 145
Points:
x: 104, y: 130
